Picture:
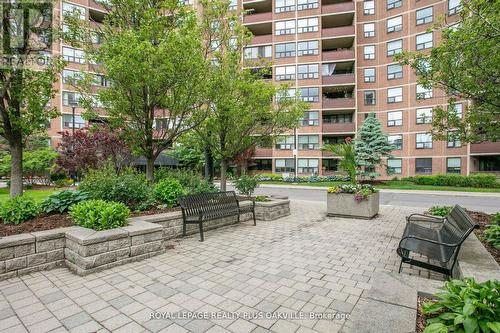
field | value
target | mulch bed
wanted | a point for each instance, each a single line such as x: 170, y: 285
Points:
x: 154, y: 211
x: 421, y: 320
x: 43, y: 222
x: 483, y: 220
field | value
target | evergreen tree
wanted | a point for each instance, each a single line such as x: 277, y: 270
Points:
x: 371, y: 146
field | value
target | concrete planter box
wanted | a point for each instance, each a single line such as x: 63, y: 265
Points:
x: 343, y: 204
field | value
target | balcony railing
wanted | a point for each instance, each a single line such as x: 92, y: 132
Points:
x: 262, y: 39
x: 330, y: 127
x: 338, y: 78
x: 338, y: 8
x: 333, y: 103
x: 338, y: 31
x: 255, y: 18
x: 485, y: 148
x: 341, y: 54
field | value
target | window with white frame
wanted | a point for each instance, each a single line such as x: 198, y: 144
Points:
x: 423, y: 93
x: 282, y: 6
x: 71, y: 98
x: 369, y: 74
x: 309, y: 94
x: 307, y: 4
x: 287, y: 94
x: 69, y: 9
x: 310, y: 118
x: 423, y: 165
x: 423, y: 140
x: 257, y: 52
x: 285, y: 142
x: 394, y: 4
x: 308, y: 142
x: 395, y: 24
x: 424, y: 116
x: 394, y: 118
x: 285, y: 73
x: 369, y: 29
x: 369, y: 52
x: 284, y: 28
x: 101, y: 81
x: 67, y: 120
x: 394, y: 47
x: 308, y: 48
x: 369, y: 97
x: 424, y: 41
x: 233, y: 5
x: 308, y: 165
x: 395, y: 95
x: 455, y: 110
x: 309, y: 71
x: 453, y: 165
x: 454, y: 7
x: 395, y: 166
x: 453, y: 140
x: 369, y: 7
x: 284, y: 165
x: 423, y: 66
x: 424, y: 16
x: 307, y: 25
x: 285, y: 50
x: 396, y: 141
x: 73, y: 55
x: 394, y: 71
x: 71, y: 77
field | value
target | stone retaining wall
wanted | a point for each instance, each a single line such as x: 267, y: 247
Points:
x: 85, y: 251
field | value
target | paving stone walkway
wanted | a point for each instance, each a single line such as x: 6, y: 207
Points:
x: 272, y: 277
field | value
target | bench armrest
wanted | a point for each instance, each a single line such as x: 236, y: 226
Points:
x: 427, y: 240
x: 425, y: 218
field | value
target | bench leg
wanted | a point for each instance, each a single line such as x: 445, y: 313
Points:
x: 183, y: 228
x: 254, y: 220
x: 400, y: 266
x: 201, y: 232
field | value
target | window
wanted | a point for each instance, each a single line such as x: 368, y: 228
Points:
x: 284, y: 165
x: 393, y: 4
x: 456, y: 110
x: 394, y: 166
x: 309, y: 94
x: 257, y: 52
x: 70, y: 98
x: 308, y: 48
x: 261, y: 165
x: 101, y: 81
x: 369, y: 7
x: 68, y: 121
x: 285, y: 73
x: 453, y: 164
x: 396, y: 141
x: 370, y: 98
x: 395, y: 24
x: 424, y: 116
x: 369, y: 74
x: 73, y: 55
x: 453, y: 140
x: 395, y: 95
x: 394, y: 118
x: 454, y: 7
x: 394, y: 71
x: 288, y: 94
x: 284, y: 28
x: 307, y: 25
x: 423, y: 93
x: 330, y: 164
x: 394, y: 47
x: 310, y: 71
x: 307, y: 4
x: 285, y: 142
x: 332, y: 140
x: 233, y: 5
x: 69, y: 9
x: 71, y: 77
x: 424, y: 15
x: 423, y: 140
x: 282, y: 6
x: 285, y: 50
x: 423, y: 165
x: 424, y: 41
x: 308, y: 165
x: 310, y: 118
x: 338, y: 118
x: 308, y: 142
x: 369, y: 29
x: 369, y: 52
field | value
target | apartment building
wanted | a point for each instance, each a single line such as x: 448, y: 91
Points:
x: 338, y: 56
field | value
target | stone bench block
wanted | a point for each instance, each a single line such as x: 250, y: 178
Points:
x: 86, y: 236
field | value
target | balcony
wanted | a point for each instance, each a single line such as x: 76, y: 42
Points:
x: 342, y: 54
x: 338, y: 8
x: 485, y: 148
x: 257, y: 18
x: 262, y: 39
x: 263, y: 152
x: 334, y: 103
x: 331, y: 127
x: 338, y: 31
x: 338, y: 79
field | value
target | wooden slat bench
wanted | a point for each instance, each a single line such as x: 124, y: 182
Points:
x: 202, y: 207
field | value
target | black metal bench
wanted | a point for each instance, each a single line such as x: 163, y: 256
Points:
x: 202, y: 207
x: 440, y: 243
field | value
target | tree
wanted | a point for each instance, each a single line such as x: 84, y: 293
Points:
x: 37, y: 165
x: 187, y: 151
x: 371, y: 145
x: 241, y: 111
x: 348, y: 154
x: 26, y: 78
x: 152, y: 53
x: 465, y: 65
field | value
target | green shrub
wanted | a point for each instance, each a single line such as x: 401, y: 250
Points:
x: 190, y: 181
x: 478, y: 180
x: 167, y: 191
x: 61, y: 201
x: 246, y: 184
x: 440, y: 210
x: 19, y: 209
x: 99, y: 214
x: 465, y: 306
x: 128, y: 187
x: 262, y: 198
x: 496, y: 218
x: 63, y: 182
x: 492, y: 234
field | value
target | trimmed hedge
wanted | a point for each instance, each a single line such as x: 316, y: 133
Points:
x: 479, y: 180
x: 266, y: 177
x: 99, y: 214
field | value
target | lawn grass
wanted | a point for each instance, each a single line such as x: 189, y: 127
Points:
x: 396, y: 185
x: 38, y: 194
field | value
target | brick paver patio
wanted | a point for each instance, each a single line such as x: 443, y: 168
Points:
x: 268, y: 274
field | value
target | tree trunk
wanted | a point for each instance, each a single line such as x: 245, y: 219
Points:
x: 209, y: 165
x: 16, y: 168
x: 150, y: 167
x: 223, y: 175
x: 244, y: 167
